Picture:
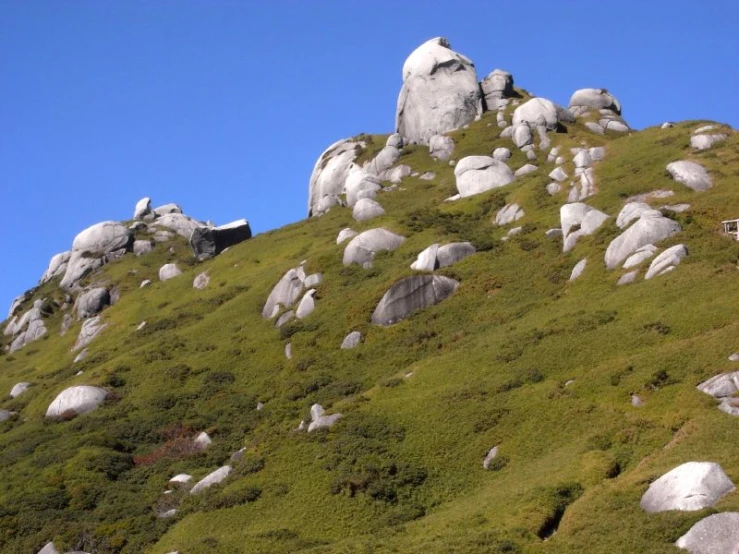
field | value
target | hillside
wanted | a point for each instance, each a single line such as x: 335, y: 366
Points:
x: 587, y: 387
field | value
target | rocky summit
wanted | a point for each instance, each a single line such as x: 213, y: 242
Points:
x: 508, y: 325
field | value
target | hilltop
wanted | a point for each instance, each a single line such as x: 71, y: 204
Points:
x: 499, y: 326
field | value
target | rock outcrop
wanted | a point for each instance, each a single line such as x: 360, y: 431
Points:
x: 689, y: 487
x: 319, y: 419
x: 437, y: 256
x: 363, y: 247
x: 211, y: 479
x: 76, y: 401
x: 208, y: 242
x: 411, y: 294
x: 691, y: 174
x: 329, y: 175
x: 440, y: 92
x: 715, y: 534
x: 651, y: 227
x: 476, y: 174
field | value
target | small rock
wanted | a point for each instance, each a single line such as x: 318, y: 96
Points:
x: 211, y: 479
x: 351, y: 340
x: 578, y: 269
x: 169, y: 271
x: 666, y: 261
x: 636, y: 401
x: 141, y: 326
x: 201, y: 281
x: 18, y: 389
x: 345, y: 234
x: 144, y: 283
x: 202, y: 441
x: 319, y: 420
x: 525, y: 170
x: 289, y: 351
x: 489, y: 457
x: 690, y: 174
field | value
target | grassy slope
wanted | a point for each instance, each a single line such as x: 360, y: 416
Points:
x: 489, y: 367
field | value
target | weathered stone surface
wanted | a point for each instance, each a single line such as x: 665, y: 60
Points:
x: 142, y: 247
x: 103, y: 238
x: 285, y: 292
x: 649, y: 229
x: 91, y: 328
x: 715, y: 534
x: 689, y: 487
x: 142, y: 208
x: 351, y: 340
x: 489, y: 457
x: 76, y: 400
x: 211, y: 479
x: 166, y: 209
x: 319, y: 420
x: 630, y: 212
x: 366, y: 209
x: 558, y: 174
x: 169, y: 271
x: 57, y: 266
x: 721, y: 386
x: 363, y: 247
x: 644, y: 253
x: 476, y: 174
x: 179, y: 223
x: 411, y: 294
x: 501, y: 154
x: 496, y: 88
x: 360, y: 184
x: 690, y: 174
x: 627, y: 278
x: 535, y: 112
x: 18, y: 389
x: 201, y: 280
x: 578, y: 214
x: 441, y: 147
x: 704, y: 142
x: 307, y: 305
x: 525, y: 170
x: 92, y: 302
x: 508, y: 214
x: 313, y: 280
x: 48, y: 548
x: 454, y: 252
x: 329, y: 175
x: 345, y: 234
x: 206, y: 242
x: 384, y: 160
x: 595, y: 127
x: 426, y: 260
x: 594, y: 98
x: 440, y: 92
x: 395, y: 140
x: 666, y: 261
x: 578, y: 269
x: 522, y: 135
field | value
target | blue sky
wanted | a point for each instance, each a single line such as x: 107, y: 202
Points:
x: 224, y: 106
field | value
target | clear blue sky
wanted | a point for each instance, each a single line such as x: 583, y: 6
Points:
x: 224, y: 106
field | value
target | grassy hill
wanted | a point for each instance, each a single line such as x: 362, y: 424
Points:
x: 518, y: 357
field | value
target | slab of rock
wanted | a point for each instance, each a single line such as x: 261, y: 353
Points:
x: 721, y: 386
x: 525, y: 170
x: 440, y: 92
x: 179, y: 223
x: 704, y: 142
x: 666, y: 261
x: 76, y: 400
x: 319, y: 420
x: 650, y: 228
x: 577, y: 214
x: 103, y: 238
x: 476, y: 174
x: 537, y: 112
x: 307, y: 305
x: 578, y: 269
x: 363, y: 247
x: 18, y: 389
x: 285, y: 292
x: 631, y: 212
x: 508, y: 214
x: 411, y: 294
x: 497, y: 87
x: 169, y: 271
x: 627, y: 278
x: 91, y: 328
x: 211, y: 479
x: 351, y: 340
x: 142, y: 208
x: 644, y: 253
x: 441, y: 147
x: 692, y: 175
x: 57, y: 266
x: 689, y: 487
x: 593, y: 98
x: 366, y: 209
x: 715, y: 534
x: 92, y: 302
x: 208, y: 242
x: 329, y: 175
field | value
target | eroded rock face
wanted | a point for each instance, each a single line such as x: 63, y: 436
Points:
x: 497, y: 87
x: 57, y: 266
x: 666, y: 261
x: 593, y: 99
x: 142, y: 208
x: 650, y: 228
x: 92, y: 302
x: 537, y: 112
x: 692, y: 175
x: 411, y: 294
x: 329, y: 175
x: 206, y: 242
x: 211, y: 479
x: 363, y: 247
x: 476, y: 174
x: 715, y: 534
x: 169, y: 271
x: 75, y: 401
x: 91, y: 328
x: 437, y: 256
x: 689, y: 487
x: 366, y: 209
x: 440, y: 92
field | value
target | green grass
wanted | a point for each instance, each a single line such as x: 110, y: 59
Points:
x: 402, y: 471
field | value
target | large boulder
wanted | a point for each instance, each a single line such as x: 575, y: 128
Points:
x: 497, y: 87
x: 440, y: 92
x: 363, y: 247
x: 179, y: 223
x: 411, y: 294
x: 631, y: 212
x: 666, y: 261
x: 206, y: 242
x: 211, y: 479
x: 307, y: 305
x: 692, y: 175
x: 76, y: 400
x: 476, y: 174
x: 142, y: 208
x: 57, y: 266
x: 170, y: 208
x: 689, y: 487
x: 366, y: 209
x: 721, y: 386
x: 169, y: 271
x: 651, y: 227
x: 441, y: 147
x: 92, y: 302
x: 360, y: 184
x: 78, y: 267
x: 715, y: 534
x: 538, y: 112
x: 329, y: 175
x: 91, y: 328
x: 595, y: 99
x: 285, y: 293
x: 436, y: 256
x: 102, y: 238
x: 382, y: 162
x: 584, y: 219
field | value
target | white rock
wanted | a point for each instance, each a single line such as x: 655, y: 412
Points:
x: 690, y: 174
x: 553, y: 188
x: 476, y: 174
x: 508, y: 214
x: 578, y: 269
x: 143, y: 207
x: 537, y: 111
x: 411, y: 294
x: 76, y: 400
x: 80, y: 357
x: 721, y: 386
x: 363, y: 247
x: 285, y: 318
x: 715, y: 534
x: 452, y: 253
x: 201, y: 280
x: 360, y: 185
x: 48, y: 548
x: 313, y: 280
x: 649, y: 229
x: 351, y: 340
x: 168, y: 209
x: 366, y: 208
x: 319, y: 420
x: 211, y: 479
x: 202, y: 441
x: 704, y: 129
x: 595, y: 128
x: 582, y: 159
x: 307, y: 305
x: 428, y: 176
x: 169, y: 271
x: 91, y: 328
x: 383, y: 161
x: 689, y: 487
x: 644, y: 253
x: 627, y: 278
x: 501, y: 154
x: 558, y: 174
x: 525, y: 170
x: 179, y: 223
x: 489, y: 457
x: 704, y: 142
x: 426, y: 260
x: 285, y: 292
x: 440, y: 92
x: 597, y: 153
x: 522, y: 135
x: 666, y: 260
x: 289, y: 351
x: 553, y: 233
x: 630, y: 212
x: 345, y: 234
x: 329, y: 175
x: 395, y: 140
x: 18, y: 389
x: 595, y: 98
x: 141, y: 326
x: 57, y: 266
x: 441, y: 147
x: 102, y: 238
x: 144, y: 283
